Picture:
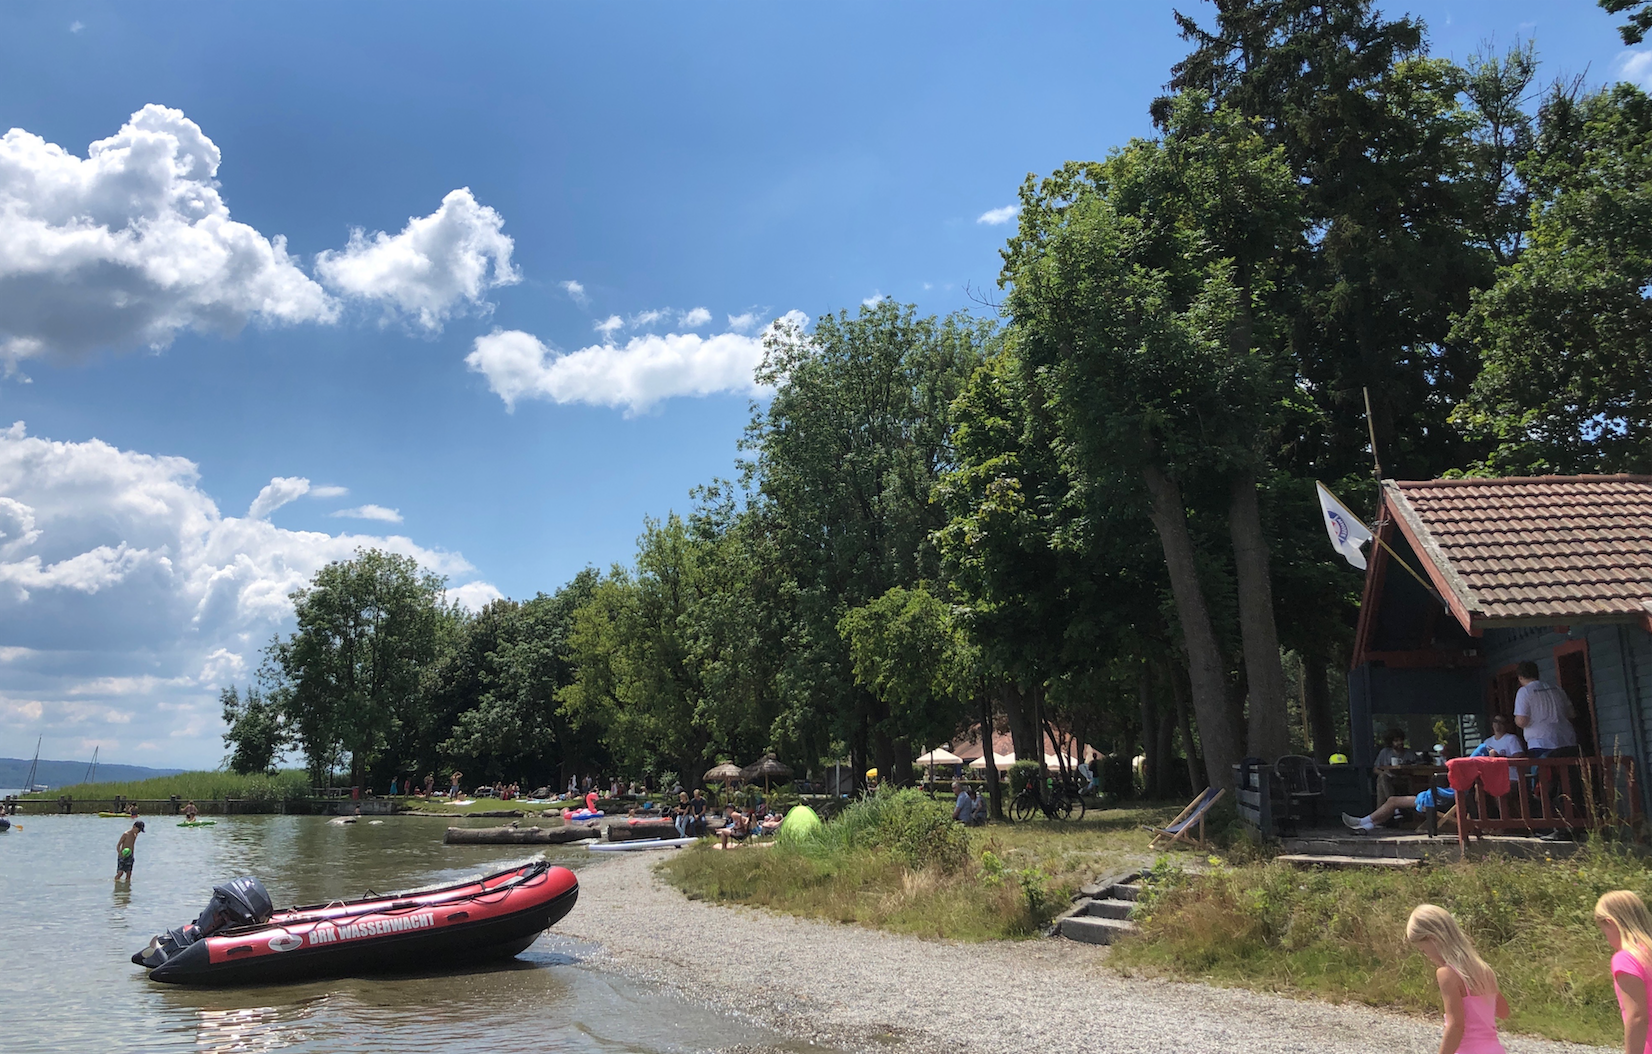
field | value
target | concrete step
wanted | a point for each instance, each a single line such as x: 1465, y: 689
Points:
x: 1092, y: 930
x: 1344, y: 862
x: 1126, y: 891
x: 1110, y: 909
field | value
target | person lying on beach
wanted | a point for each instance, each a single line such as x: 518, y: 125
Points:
x: 739, y: 826
x: 124, y: 849
x: 1440, y: 798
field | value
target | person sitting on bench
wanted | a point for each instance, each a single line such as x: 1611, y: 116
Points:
x: 1436, y: 798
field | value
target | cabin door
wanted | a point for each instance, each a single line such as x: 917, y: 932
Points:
x: 1571, y: 662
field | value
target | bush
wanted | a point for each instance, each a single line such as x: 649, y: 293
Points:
x: 908, y: 823
x: 1023, y: 773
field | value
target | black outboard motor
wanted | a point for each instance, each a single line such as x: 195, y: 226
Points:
x: 238, y: 902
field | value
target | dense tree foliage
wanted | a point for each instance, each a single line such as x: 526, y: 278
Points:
x: 1091, y: 518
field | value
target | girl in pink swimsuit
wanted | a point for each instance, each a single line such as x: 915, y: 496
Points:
x: 1627, y: 927
x: 1468, y: 987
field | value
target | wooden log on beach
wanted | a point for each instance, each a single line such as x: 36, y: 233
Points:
x: 517, y: 835
x: 620, y: 831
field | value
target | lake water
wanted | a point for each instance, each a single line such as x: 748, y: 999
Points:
x: 67, y: 933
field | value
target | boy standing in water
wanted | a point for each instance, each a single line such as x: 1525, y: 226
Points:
x: 123, y: 850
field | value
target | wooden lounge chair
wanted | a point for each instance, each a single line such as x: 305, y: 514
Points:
x: 1178, y: 830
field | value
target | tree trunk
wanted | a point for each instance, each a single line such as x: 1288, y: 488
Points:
x: 1316, y: 703
x: 1018, y: 710
x: 1205, y: 668
x: 1270, y: 731
x: 903, y: 762
x: 995, y: 795
x: 1151, y: 758
x: 883, y: 755
x: 1178, y: 689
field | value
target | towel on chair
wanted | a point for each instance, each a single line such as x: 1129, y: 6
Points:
x: 1493, y: 773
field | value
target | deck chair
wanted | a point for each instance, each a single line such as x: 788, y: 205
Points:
x: 1178, y: 830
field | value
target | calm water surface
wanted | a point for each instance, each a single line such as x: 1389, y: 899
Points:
x: 67, y: 932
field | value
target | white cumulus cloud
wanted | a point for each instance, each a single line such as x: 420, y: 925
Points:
x: 439, y: 264
x: 1636, y: 67
x: 610, y: 325
x: 743, y: 323
x: 278, y: 492
x: 474, y: 596
x: 371, y: 512
x: 636, y: 376
x: 994, y: 217
x: 694, y: 318
x: 328, y: 491
x: 133, y: 243
x: 126, y: 595
x: 575, y: 291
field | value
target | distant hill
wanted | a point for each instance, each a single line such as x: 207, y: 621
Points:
x: 13, y: 771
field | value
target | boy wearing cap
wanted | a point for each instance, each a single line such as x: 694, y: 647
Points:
x: 123, y: 850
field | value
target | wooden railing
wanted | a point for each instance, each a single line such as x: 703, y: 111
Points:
x: 1556, y: 794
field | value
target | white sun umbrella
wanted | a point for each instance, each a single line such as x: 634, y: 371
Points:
x: 940, y: 756
x: 1000, y: 761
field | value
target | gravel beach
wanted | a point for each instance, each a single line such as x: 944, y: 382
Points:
x: 856, y: 989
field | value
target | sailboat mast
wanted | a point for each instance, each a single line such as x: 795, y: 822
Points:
x: 28, y: 788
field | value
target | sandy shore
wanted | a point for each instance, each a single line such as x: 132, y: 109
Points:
x: 858, y: 989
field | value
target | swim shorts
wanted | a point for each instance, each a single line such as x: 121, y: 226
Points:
x: 1438, y: 799
x: 124, y: 863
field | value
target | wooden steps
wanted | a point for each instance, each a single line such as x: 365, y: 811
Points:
x: 1344, y: 862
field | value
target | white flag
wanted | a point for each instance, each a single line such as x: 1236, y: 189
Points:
x: 1346, y: 531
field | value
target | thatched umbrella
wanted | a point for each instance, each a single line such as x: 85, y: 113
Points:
x: 723, y: 773
x: 765, y: 769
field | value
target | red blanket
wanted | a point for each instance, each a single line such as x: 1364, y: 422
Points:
x: 1493, y: 773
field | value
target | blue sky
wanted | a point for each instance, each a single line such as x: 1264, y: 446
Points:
x: 745, y: 159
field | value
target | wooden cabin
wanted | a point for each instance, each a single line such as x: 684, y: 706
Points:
x: 1492, y: 572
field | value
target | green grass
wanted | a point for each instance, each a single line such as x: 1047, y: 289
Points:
x: 199, y: 786
x: 1010, y: 880
x: 1339, y: 935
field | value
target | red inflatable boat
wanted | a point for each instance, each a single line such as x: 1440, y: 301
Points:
x: 239, y: 940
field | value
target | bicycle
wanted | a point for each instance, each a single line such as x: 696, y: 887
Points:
x: 1062, y: 804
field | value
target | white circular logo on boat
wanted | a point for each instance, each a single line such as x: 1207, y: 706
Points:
x: 285, y: 943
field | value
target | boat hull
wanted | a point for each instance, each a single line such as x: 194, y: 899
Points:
x: 496, y: 918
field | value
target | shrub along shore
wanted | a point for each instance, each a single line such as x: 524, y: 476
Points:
x: 897, y: 861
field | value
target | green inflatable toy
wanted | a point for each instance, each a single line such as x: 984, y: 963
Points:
x: 801, y: 823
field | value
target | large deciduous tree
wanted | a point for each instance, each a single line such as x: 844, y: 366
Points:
x: 847, y: 455
x: 1138, y: 297
x: 350, y: 674
x: 1566, y: 332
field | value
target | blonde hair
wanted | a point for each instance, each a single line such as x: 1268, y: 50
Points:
x: 1628, y: 913
x: 1430, y: 922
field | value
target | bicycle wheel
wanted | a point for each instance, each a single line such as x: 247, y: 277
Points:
x: 1078, y: 807
x: 1062, y: 808
x: 1022, y: 809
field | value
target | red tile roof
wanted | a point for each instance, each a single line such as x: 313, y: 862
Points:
x: 1534, y: 549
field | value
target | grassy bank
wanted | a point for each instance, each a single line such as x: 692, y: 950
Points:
x: 898, y: 863
x: 199, y: 786
x: 1340, y: 935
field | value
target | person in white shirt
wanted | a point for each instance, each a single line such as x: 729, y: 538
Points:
x: 1502, y: 743
x: 1543, y: 712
